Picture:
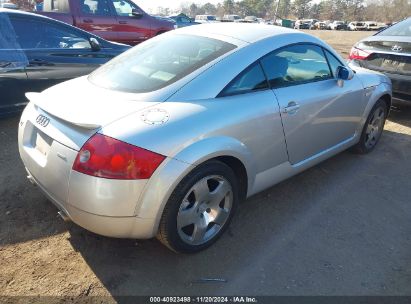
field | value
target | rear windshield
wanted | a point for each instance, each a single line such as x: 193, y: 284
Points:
x: 402, y: 28
x: 158, y: 63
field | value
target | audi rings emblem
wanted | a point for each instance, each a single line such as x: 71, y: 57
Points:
x: 43, y: 120
x: 396, y: 48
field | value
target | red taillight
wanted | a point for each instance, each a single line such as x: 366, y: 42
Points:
x: 358, y: 54
x: 106, y: 157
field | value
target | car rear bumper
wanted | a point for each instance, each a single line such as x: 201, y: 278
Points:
x: 118, y: 227
x: 401, y: 84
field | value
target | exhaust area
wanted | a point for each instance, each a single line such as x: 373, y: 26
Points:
x: 64, y: 216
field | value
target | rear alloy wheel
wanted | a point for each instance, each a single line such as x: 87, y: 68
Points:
x: 373, y: 128
x: 200, y: 208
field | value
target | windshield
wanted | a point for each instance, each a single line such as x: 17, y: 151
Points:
x: 402, y: 28
x: 158, y: 63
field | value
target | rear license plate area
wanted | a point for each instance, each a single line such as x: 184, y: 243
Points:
x: 41, y: 142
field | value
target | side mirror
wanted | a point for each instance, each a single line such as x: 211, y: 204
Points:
x: 95, y: 45
x: 343, y: 74
x: 137, y: 13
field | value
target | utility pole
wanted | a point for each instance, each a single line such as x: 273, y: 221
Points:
x: 276, y: 11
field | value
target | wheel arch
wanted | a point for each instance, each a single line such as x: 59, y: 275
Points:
x: 388, y: 101
x: 160, y: 187
x: 379, y: 92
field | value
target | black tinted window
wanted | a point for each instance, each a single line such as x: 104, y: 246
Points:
x: 334, y: 63
x: 251, y: 79
x: 11, y: 56
x: 37, y: 34
x: 296, y: 64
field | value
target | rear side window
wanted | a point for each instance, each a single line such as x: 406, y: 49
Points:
x: 95, y: 7
x: 125, y: 8
x: 37, y: 34
x: 296, y: 64
x: 250, y: 80
x: 158, y: 62
x: 56, y: 6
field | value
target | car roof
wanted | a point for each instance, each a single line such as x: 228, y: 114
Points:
x: 241, y: 31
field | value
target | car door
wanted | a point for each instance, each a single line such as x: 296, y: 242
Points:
x: 317, y: 113
x: 13, y: 63
x: 131, y: 29
x: 183, y: 21
x: 13, y: 81
x: 55, y: 52
x: 256, y: 118
x: 97, y: 17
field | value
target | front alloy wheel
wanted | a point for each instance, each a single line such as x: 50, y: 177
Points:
x: 373, y: 128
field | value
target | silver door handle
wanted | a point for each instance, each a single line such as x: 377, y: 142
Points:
x: 292, y: 108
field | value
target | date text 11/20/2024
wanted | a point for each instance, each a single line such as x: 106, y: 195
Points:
x: 240, y: 299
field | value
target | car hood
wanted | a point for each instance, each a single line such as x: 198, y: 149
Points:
x: 85, y: 105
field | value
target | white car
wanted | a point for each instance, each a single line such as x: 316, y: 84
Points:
x: 206, y: 19
x: 357, y: 26
x: 231, y: 18
x: 337, y: 25
x: 372, y: 26
x: 9, y: 5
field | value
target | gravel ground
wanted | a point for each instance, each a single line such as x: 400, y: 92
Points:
x: 340, y: 228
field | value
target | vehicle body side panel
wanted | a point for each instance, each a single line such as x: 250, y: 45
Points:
x: 328, y: 115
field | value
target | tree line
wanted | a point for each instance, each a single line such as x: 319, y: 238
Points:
x: 348, y: 10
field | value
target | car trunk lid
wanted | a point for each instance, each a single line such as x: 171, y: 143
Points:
x: 77, y: 109
x: 391, y: 54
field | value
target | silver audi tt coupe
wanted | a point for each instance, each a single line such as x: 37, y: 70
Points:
x: 167, y: 139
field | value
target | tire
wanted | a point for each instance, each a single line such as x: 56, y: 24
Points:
x: 373, y: 128
x: 200, y: 208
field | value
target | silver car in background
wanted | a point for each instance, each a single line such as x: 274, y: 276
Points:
x: 169, y: 137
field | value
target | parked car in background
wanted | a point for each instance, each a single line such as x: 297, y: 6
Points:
x: 231, y: 18
x: 372, y: 26
x: 250, y: 19
x: 319, y: 25
x: 37, y: 52
x: 144, y: 148
x: 9, y: 5
x: 382, y: 26
x: 357, y: 26
x: 114, y: 20
x: 389, y: 52
x: 337, y: 26
x: 302, y: 25
x: 183, y: 21
x: 206, y: 19
x: 307, y: 24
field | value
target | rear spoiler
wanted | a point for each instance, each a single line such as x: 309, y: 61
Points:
x: 36, y: 99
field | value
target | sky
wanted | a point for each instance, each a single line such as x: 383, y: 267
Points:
x: 152, y: 5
